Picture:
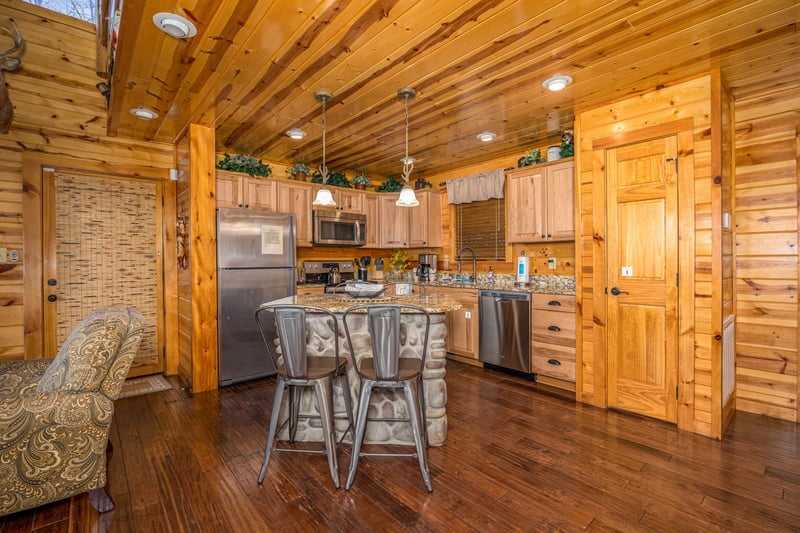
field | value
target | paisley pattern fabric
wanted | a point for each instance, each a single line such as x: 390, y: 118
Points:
x: 55, y: 414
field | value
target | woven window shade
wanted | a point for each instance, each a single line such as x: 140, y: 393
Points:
x: 482, y: 225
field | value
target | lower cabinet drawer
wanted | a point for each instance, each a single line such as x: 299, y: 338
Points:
x: 553, y: 360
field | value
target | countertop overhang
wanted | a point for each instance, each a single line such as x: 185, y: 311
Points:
x: 339, y: 303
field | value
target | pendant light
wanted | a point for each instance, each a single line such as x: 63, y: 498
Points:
x: 324, y: 196
x: 407, y: 196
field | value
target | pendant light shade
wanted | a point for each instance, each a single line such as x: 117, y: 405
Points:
x: 407, y: 196
x: 324, y: 196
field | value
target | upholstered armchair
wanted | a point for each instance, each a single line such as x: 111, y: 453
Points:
x: 55, y: 414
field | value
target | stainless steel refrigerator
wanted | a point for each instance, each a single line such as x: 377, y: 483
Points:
x: 255, y: 264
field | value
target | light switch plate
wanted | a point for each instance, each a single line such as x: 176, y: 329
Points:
x: 551, y: 263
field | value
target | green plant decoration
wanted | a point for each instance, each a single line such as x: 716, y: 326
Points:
x: 534, y: 156
x: 244, y: 163
x: 337, y: 179
x: 391, y: 184
x: 399, y: 261
x: 361, y: 179
x: 298, y: 168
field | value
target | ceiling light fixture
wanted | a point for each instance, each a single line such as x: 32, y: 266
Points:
x: 556, y: 83
x: 144, y: 113
x: 296, y: 133
x: 324, y: 196
x: 407, y: 197
x: 486, y: 136
x: 174, y: 25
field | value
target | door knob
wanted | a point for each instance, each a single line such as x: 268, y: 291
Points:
x: 616, y: 292
x: 52, y: 298
x: 52, y: 282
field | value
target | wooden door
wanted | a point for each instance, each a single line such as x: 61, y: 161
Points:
x: 229, y: 189
x: 560, y: 202
x: 102, y: 242
x: 418, y: 222
x: 373, y: 220
x: 524, y: 221
x: 642, y: 247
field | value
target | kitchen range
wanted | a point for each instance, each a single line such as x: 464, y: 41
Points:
x: 329, y: 272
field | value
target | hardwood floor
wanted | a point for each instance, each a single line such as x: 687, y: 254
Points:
x: 516, y: 458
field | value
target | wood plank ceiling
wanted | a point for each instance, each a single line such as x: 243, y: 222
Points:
x: 253, y: 69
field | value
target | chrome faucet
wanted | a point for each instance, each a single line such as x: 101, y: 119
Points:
x: 458, y: 258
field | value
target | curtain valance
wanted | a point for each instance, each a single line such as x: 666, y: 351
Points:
x: 475, y: 188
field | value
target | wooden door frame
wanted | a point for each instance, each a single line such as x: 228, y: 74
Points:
x: 684, y: 130
x: 33, y: 254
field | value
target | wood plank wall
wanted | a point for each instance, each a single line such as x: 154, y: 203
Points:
x: 679, y: 101
x: 767, y: 160
x: 59, y: 116
x: 184, y: 275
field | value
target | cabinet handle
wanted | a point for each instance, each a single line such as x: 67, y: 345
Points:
x: 554, y: 328
x: 554, y: 302
x: 555, y: 362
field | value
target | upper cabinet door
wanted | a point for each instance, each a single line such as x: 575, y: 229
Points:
x: 229, y: 189
x: 561, y: 203
x: 294, y: 197
x: 393, y: 222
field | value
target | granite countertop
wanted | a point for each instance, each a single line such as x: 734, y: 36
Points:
x: 539, y: 284
x: 339, y: 303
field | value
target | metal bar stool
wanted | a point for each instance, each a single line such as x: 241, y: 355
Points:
x: 387, y: 369
x: 296, y: 369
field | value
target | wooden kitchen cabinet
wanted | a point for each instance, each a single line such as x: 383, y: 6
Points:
x: 411, y: 227
x: 462, y: 324
x: 540, y: 203
x: 553, y: 339
x: 296, y: 197
x: 235, y: 189
x: 373, y: 220
x: 425, y: 222
x: 393, y: 225
x: 347, y: 200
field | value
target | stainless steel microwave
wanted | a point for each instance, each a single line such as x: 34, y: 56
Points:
x: 336, y: 228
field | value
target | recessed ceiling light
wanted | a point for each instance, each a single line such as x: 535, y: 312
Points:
x: 296, y: 133
x: 144, y: 113
x: 174, y: 25
x: 557, y: 83
x: 486, y: 136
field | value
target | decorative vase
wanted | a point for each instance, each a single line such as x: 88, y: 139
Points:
x: 359, y: 186
x: 300, y: 176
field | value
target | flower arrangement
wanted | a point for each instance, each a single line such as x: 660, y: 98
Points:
x: 244, y: 163
x: 567, y: 144
x: 398, y: 261
x: 534, y: 156
x: 299, y: 171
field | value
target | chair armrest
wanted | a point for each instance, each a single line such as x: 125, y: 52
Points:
x: 21, y: 377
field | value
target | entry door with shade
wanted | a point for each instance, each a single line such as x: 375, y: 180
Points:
x: 102, y: 242
x: 642, y: 247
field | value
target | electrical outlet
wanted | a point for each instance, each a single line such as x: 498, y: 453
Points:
x: 2, y: 256
x: 551, y: 263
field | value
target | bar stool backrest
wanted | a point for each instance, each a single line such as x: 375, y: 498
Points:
x: 291, y: 325
x: 384, y: 331
x: 292, y: 330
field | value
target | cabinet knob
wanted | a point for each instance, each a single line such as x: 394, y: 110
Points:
x: 52, y: 298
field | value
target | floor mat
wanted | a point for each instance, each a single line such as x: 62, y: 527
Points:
x: 144, y: 385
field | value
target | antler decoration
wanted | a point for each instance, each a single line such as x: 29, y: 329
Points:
x: 9, y: 63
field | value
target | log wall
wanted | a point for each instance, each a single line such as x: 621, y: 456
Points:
x: 60, y: 118
x: 767, y: 159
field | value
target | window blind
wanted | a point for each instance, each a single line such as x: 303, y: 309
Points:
x: 482, y: 225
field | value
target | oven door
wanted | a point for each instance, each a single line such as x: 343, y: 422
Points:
x: 339, y: 229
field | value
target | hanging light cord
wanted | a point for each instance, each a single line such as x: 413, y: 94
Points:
x: 408, y: 166
x: 323, y: 170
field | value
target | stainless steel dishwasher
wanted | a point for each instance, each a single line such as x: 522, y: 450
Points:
x: 505, y: 329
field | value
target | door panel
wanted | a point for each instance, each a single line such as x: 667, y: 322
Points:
x: 102, y: 247
x: 642, y: 274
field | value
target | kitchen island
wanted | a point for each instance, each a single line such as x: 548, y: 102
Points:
x: 385, y: 403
